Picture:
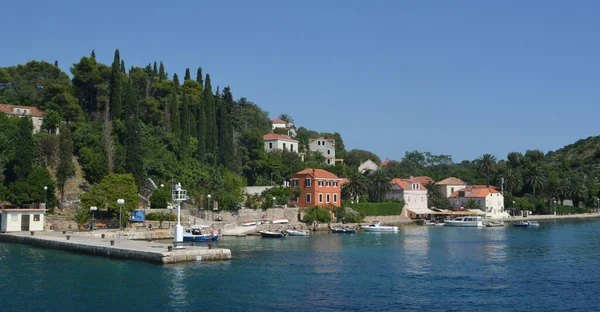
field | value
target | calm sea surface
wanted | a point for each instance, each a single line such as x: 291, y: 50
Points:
x: 553, y: 268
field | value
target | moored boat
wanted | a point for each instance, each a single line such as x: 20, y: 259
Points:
x: 343, y: 230
x: 468, y: 221
x: 280, y: 221
x: 493, y: 223
x: 376, y: 226
x: 526, y: 224
x: 199, y: 233
x: 249, y: 223
x: 269, y: 234
x: 297, y: 233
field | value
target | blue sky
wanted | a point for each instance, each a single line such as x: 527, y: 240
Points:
x: 451, y: 77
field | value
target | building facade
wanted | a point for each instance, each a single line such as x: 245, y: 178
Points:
x: 317, y: 187
x: 489, y: 199
x: 15, y: 220
x: 274, y: 141
x: 324, y: 146
x: 450, y: 185
x: 282, y: 124
x: 36, y: 115
x: 413, y: 193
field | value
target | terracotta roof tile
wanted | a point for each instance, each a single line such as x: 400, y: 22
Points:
x: 476, y: 192
x: 279, y: 120
x: 328, y: 140
x: 318, y: 173
x: 33, y: 111
x: 452, y: 181
x: 275, y: 136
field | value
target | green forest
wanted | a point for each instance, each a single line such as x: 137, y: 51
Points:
x: 124, y: 125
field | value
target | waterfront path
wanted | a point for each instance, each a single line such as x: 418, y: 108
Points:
x: 553, y: 217
x: 122, y: 249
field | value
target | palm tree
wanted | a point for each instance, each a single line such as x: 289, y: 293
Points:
x: 487, y: 164
x: 535, y: 177
x: 434, y: 190
x: 287, y: 118
x: 472, y: 203
x: 578, y: 192
x: 355, y: 187
x: 513, y: 181
x: 378, y: 186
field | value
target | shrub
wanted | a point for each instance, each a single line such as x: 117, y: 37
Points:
x: 157, y: 216
x: 378, y: 209
x: 317, y: 214
x: 160, y: 198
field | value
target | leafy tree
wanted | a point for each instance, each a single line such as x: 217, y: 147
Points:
x: 25, y: 151
x: 31, y: 189
x: 487, y: 165
x: 355, y: 156
x: 160, y: 198
x: 65, y: 168
x: 134, y: 162
x: 253, y: 154
x: 211, y: 118
x: 105, y: 194
x: 81, y: 217
x: 513, y: 181
x: 162, y: 75
x: 51, y: 121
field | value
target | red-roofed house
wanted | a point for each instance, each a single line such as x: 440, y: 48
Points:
x: 274, y: 141
x: 280, y: 123
x: 318, y: 187
x: 489, y: 198
x: 449, y: 185
x: 412, y: 192
x: 37, y: 116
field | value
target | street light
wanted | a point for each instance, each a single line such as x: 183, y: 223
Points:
x: 120, y: 201
x: 92, y: 209
x: 45, y: 195
x: 274, y: 203
x: 513, y: 208
x: 555, y: 207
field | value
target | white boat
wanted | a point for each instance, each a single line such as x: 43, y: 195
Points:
x: 199, y: 233
x: 280, y: 221
x: 297, y: 233
x: 431, y: 223
x: 249, y: 223
x: 376, y: 226
x: 468, y: 221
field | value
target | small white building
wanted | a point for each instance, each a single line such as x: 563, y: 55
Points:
x: 15, y: 220
x: 282, y: 124
x: 489, y: 199
x: 324, y: 146
x: 451, y: 185
x: 36, y: 115
x: 274, y: 141
x: 412, y: 192
x: 368, y: 165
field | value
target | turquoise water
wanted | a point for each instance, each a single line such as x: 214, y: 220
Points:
x: 553, y: 268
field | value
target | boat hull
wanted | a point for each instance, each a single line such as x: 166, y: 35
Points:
x: 379, y: 229
x: 265, y: 234
x: 200, y: 238
x: 297, y: 233
x: 463, y: 223
x: 343, y: 231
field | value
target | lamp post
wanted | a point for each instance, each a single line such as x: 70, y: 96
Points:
x: 120, y: 201
x: 555, y: 207
x: 208, y: 206
x: 513, y: 208
x: 274, y: 201
x: 598, y: 201
x: 92, y: 210
x: 45, y: 196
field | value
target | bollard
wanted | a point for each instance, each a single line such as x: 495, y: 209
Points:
x: 103, y: 235
x: 112, y: 242
x: 64, y: 232
x: 170, y: 248
x: 32, y: 233
x: 68, y: 237
x: 210, y: 246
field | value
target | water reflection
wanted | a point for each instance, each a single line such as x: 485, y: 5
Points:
x: 416, y: 257
x: 178, y: 293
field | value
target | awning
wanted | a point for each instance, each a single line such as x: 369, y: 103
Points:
x: 420, y: 210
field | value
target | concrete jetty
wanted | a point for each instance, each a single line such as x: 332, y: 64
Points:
x: 122, y: 249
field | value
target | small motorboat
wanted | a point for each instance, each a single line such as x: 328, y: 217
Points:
x: 269, y: 234
x: 297, y: 233
x: 344, y: 230
x: 199, y: 233
x: 526, y: 224
x: 249, y: 223
x: 280, y: 221
x: 433, y: 223
x: 376, y: 226
x: 493, y: 223
x: 469, y: 221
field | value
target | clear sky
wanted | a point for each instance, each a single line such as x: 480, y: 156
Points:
x: 451, y: 77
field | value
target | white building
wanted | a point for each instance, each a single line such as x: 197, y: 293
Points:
x: 368, y: 165
x: 324, y: 146
x: 412, y: 192
x: 274, y: 141
x: 489, y: 199
x: 15, y: 220
x: 280, y: 123
x: 36, y: 115
x: 450, y: 185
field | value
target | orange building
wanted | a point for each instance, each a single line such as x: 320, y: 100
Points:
x: 318, y: 187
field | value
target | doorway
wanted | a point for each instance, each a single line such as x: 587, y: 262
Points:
x: 25, y: 222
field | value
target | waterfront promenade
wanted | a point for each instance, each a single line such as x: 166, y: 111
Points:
x: 552, y: 217
x: 122, y: 249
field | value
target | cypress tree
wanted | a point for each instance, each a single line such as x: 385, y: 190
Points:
x: 115, y: 87
x: 185, y: 120
x: 93, y: 55
x: 211, y: 118
x: 225, y: 125
x: 161, y: 72
x: 154, y: 69
x: 176, y: 83
x: 175, y: 119
x: 201, y: 131
x: 187, y: 75
x: 25, y: 149
x: 199, y: 76
x: 134, y: 161
x: 65, y: 168
x: 123, y: 70
x: 56, y: 63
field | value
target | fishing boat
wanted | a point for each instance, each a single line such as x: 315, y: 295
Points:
x: 343, y: 230
x: 269, y: 234
x: 280, y: 221
x: 199, y: 233
x: 376, y: 226
x: 297, y: 233
x: 526, y: 224
x: 469, y: 221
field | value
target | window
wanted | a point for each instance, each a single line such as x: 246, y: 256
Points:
x: 328, y: 161
x: 328, y: 197
x: 451, y: 190
x: 335, y: 183
x: 307, y: 182
x: 322, y: 142
x: 335, y: 198
x: 320, y: 197
x: 320, y: 183
x: 36, y: 218
x: 296, y: 199
x: 319, y: 143
x: 270, y: 145
x: 308, y: 197
x: 283, y: 145
x: 292, y: 147
x: 328, y: 152
x: 295, y: 182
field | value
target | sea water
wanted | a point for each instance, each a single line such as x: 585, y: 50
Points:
x: 555, y: 267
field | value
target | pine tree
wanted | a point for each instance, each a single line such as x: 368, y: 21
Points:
x: 115, y: 88
x: 211, y: 118
x: 65, y: 168
x: 187, y: 75
x: 161, y: 72
x: 199, y: 76
x: 134, y: 162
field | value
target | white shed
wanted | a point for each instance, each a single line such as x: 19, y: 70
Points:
x: 15, y: 220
